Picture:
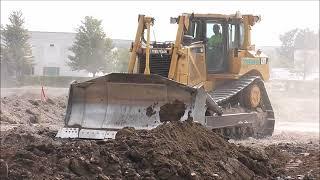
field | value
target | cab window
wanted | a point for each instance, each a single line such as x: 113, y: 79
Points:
x: 241, y: 34
x: 232, y: 36
x: 192, y: 30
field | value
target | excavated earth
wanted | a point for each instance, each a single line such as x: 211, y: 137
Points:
x: 174, y: 150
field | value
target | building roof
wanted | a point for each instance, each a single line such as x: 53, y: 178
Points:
x: 43, y: 35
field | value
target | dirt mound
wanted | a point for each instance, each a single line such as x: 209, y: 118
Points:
x: 17, y: 110
x: 174, y: 150
x: 171, y: 151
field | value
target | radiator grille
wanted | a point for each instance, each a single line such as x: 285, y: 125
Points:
x: 159, y: 64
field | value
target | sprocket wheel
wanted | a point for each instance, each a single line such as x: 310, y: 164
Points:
x: 251, y: 97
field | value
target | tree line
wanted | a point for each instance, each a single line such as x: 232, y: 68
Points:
x: 92, y: 50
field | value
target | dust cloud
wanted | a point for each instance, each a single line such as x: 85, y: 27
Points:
x: 296, y: 105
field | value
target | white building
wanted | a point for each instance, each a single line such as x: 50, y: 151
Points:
x: 50, y: 51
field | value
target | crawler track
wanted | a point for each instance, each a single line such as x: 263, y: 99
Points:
x: 229, y: 92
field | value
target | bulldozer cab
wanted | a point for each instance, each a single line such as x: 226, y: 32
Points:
x: 220, y: 36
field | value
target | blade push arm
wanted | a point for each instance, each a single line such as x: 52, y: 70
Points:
x: 177, y: 43
x: 143, y: 23
x: 136, y: 43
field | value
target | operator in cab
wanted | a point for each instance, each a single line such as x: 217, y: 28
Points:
x: 215, y: 50
x: 215, y: 40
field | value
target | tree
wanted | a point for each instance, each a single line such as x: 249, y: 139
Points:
x: 298, y: 39
x: 121, y: 59
x: 16, y: 53
x: 91, y: 49
x: 287, y: 48
x: 7, y: 66
x: 306, y: 39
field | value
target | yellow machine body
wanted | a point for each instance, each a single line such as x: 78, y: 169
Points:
x: 188, y: 62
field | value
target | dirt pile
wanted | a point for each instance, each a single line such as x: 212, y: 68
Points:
x: 16, y: 110
x: 171, y: 151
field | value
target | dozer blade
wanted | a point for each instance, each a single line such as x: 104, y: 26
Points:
x: 99, y: 107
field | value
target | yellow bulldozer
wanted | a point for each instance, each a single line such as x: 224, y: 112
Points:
x: 210, y: 74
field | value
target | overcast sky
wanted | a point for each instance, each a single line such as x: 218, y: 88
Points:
x: 120, y: 18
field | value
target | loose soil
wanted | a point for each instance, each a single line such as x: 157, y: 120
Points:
x: 174, y: 150
x: 25, y: 110
x: 171, y: 151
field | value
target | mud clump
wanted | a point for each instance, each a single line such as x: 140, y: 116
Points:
x: 150, y: 111
x: 172, y: 111
x: 50, y: 101
x: 34, y: 102
x: 3, y: 169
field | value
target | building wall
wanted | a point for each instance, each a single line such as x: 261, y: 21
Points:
x: 50, y: 49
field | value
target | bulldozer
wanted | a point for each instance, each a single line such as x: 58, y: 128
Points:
x: 210, y: 74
